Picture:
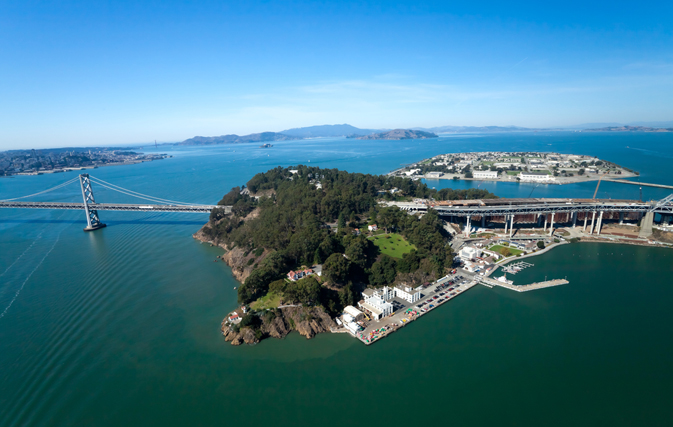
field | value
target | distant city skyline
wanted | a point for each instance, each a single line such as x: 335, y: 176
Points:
x: 124, y: 72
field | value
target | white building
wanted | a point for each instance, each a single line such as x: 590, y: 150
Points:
x: 434, y: 174
x: 376, y: 302
x: 353, y: 327
x: 469, y: 252
x: 536, y: 177
x: 485, y: 174
x: 408, y: 293
x: 353, y: 312
x: 372, y: 227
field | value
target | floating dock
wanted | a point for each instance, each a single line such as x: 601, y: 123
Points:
x: 516, y: 267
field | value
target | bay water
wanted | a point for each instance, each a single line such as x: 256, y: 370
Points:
x: 121, y: 326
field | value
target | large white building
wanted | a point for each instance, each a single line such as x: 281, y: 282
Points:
x: 376, y: 302
x: 485, y: 174
x: 408, y: 293
x: 469, y: 252
x: 536, y: 177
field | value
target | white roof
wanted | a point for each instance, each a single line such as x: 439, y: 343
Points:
x: 352, y: 311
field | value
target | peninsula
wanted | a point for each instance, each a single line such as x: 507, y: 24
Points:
x: 55, y: 160
x: 629, y: 129
x: 535, y: 167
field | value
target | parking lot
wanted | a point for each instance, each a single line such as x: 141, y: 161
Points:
x: 433, y: 296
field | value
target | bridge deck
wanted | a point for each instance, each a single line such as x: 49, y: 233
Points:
x: 115, y: 207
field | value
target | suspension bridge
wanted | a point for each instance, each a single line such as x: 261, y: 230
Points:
x: 91, y: 208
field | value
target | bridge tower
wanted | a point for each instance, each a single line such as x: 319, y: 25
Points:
x: 92, y: 220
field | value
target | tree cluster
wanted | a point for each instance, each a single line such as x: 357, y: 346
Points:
x: 296, y: 223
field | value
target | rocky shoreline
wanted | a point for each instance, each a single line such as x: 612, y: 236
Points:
x: 308, y: 321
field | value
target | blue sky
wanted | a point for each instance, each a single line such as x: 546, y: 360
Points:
x: 115, y: 72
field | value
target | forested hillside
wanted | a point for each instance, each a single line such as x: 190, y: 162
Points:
x: 293, y: 223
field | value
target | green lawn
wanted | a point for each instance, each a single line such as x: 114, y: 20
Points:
x: 392, y: 244
x: 513, y: 173
x: 496, y: 248
x: 269, y: 300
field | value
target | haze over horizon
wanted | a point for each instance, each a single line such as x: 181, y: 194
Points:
x: 78, y: 74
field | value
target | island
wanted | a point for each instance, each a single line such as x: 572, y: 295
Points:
x: 236, y: 139
x: 527, y: 166
x: 305, y: 242
x: 398, y: 134
x: 322, y: 250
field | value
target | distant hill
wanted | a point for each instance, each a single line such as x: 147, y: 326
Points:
x: 629, y: 129
x: 400, y: 134
x: 329, y: 130
x: 236, y: 139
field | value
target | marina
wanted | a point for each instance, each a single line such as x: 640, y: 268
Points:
x: 516, y: 267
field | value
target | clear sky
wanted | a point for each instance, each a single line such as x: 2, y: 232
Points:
x: 114, y: 72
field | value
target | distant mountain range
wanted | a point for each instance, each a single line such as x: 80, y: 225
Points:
x: 397, y: 134
x: 413, y: 133
x: 329, y: 130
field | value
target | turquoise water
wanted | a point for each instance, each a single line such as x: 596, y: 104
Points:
x: 120, y: 326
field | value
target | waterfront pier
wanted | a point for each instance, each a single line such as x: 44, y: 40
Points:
x: 489, y: 282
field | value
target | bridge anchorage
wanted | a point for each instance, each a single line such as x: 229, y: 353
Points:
x: 91, y: 207
x: 92, y: 220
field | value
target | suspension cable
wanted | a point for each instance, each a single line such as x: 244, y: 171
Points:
x: 136, y: 196
x: 45, y: 191
x: 132, y: 193
x: 140, y: 195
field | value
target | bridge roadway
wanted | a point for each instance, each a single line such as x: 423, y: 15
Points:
x: 115, y: 207
x: 499, y: 207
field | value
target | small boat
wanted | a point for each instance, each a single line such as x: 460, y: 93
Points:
x: 234, y: 287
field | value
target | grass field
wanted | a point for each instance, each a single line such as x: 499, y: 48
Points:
x: 496, y: 248
x: 269, y: 300
x: 392, y: 244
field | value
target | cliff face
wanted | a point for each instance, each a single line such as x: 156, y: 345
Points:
x: 236, y: 258
x: 308, y: 321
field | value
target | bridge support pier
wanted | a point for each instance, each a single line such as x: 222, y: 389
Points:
x: 593, y: 217
x: 506, y: 220
x: 600, y: 223
x: 646, y: 225
x: 468, y: 227
x: 574, y: 219
x: 545, y: 223
x: 483, y: 221
x: 551, y: 229
x: 92, y: 220
x: 511, y: 226
x: 585, y: 222
x: 621, y: 218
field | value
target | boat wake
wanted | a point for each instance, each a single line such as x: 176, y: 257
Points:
x: 18, y: 292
